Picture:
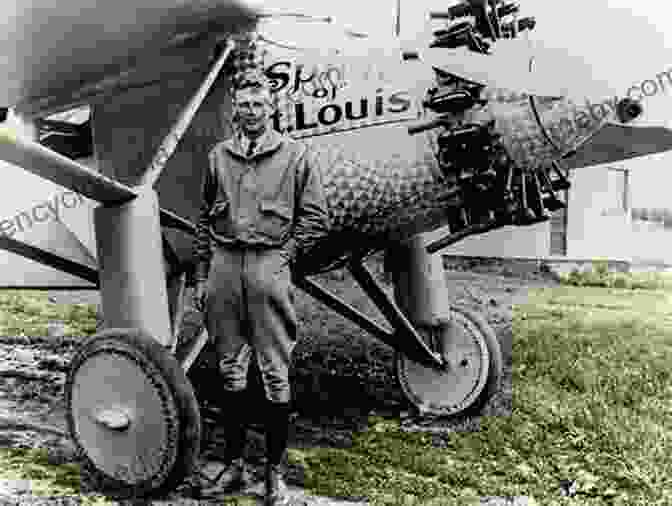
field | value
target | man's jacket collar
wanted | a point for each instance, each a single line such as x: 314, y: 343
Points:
x: 270, y: 141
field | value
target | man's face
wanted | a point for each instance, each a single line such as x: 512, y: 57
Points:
x: 253, y: 109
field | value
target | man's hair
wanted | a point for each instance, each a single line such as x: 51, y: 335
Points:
x: 252, y: 78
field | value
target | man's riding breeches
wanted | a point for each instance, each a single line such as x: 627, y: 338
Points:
x: 250, y: 309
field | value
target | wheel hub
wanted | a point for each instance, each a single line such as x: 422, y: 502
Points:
x: 113, y: 419
x: 130, y: 434
x: 456, y: 386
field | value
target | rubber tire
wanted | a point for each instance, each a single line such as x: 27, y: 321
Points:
x: 143, y: 347
x: 495, y: 369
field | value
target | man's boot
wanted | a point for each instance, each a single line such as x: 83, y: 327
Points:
x: 277, y: 431
x: 234, y: 477
x: 274, y: 494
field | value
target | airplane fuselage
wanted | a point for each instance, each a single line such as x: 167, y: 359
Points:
x: 376, y: 193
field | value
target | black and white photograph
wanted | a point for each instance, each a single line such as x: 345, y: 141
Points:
x: 311, y: 253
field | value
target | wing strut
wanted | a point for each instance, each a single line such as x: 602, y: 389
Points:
x: 170, y: 142
x: 47, y: 164
x: 50, y: 259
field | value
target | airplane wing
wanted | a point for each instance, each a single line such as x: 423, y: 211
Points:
x: 54, y: 55
x: 613, y: 143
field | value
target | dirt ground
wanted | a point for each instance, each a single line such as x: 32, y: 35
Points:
x: 32, y: 374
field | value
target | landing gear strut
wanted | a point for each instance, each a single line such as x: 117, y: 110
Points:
x: 131, y: 411
x: 132, y: 414
x: 467, y: 344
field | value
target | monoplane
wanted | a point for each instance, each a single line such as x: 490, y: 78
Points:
x: 143, y: 87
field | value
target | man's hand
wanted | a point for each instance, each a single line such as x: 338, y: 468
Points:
x: 199, y: 295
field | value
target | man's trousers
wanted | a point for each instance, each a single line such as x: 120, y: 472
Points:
x: 250, y: 309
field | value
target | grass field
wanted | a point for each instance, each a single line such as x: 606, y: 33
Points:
x: 592, y: 370
x: 592, y: 404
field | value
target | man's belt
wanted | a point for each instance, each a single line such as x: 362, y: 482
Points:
x: 240, y: 244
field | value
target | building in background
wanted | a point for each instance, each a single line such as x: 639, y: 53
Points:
x: 592, y: 226
x: 617, y: 211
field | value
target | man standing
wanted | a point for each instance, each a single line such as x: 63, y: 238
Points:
x: 263, y: 203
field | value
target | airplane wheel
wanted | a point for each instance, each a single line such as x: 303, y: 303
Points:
x: 132, y: 414
x: 472, y: 379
